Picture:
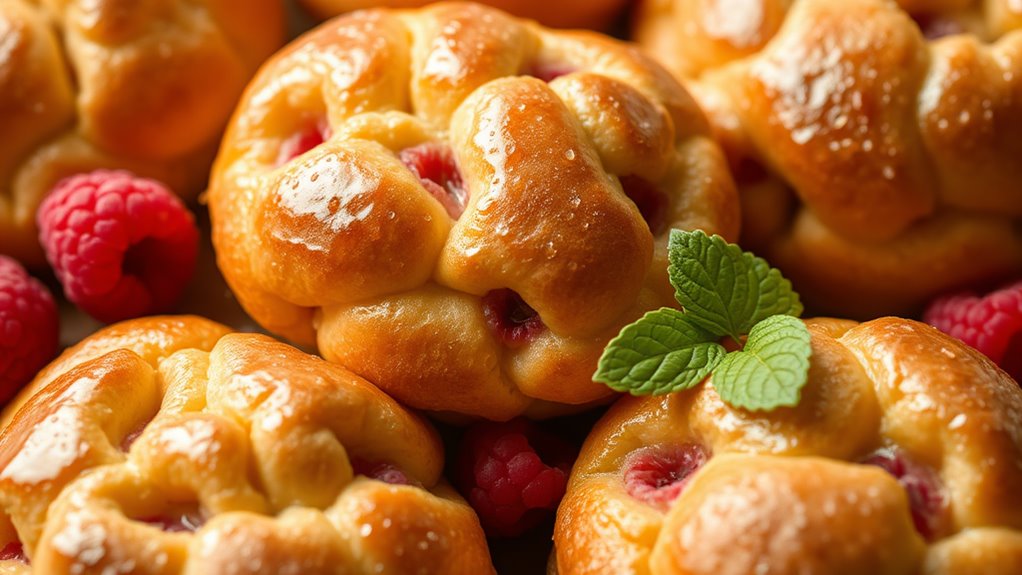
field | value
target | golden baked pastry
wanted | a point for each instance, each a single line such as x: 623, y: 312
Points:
x: 903, y: 457
x: 877, y: 166
x: 145, y: 86
x: 166, y: 446
x: 397, y: 188
x: 596, y: 14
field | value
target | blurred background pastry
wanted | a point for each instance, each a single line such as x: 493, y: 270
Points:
x: 143, y: 86
x: 875, y: 143
x: 595, y: 14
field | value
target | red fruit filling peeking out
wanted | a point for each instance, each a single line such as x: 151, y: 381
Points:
x: 510, y: 318
x: 13, y: 551
x: 435, y: 167
x: 513, y: 474
x: 926, y: 498
x: 382, y: 471
x: 652, y: 203
x: 176, y: 522
x: 547, y: 71
x: 303, y: 141
x: 934, y: 27
x: 657, y: 475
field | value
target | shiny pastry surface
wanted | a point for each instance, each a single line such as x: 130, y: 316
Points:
x: 460, y: 206
x: 144, y: 86
x: 902, y: 457
x: 167, y: 445
x: 875, y: 143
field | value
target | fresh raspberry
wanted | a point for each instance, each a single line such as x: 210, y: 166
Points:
x: 122, y: 246
x: 435, y: 167
x: 926, y: 499
x: 29, y: 327
x: 657, y: 475
x: 992, y: 324
x: 510, y: 485
x: 513, y: 320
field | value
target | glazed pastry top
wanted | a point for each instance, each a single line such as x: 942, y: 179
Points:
x: 546, y: 151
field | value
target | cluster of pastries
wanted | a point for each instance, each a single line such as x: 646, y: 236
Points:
x: 457, y: 208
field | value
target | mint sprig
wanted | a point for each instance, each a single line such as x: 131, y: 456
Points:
x: 771, y: 370
x: 725, y: 292
x: 660, y: 353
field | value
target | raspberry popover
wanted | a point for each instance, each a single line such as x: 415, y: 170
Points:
x: 144, y: 86
x: 460, y: 206
x: 167, y: 445
x: 903, y: 457
x: 875, y: 143
x: 595, y: 14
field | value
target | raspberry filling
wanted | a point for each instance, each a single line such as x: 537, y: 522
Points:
x: 13, y: 551
x: 303, y: 141
x: 130, y: 438
x: 176, y: 523
x: 435, y: 167
x: 507, y: 314
x: 547, y: 71
x: 652, y: 202
x: 657, y: 475
x: 381, y: 471
x: 935, y: 27
x: 926, y: 498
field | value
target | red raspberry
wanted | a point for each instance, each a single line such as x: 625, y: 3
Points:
x: 29, y: 327
x: 504, y: 478
x: 992, y: 324
x: 122, y: 246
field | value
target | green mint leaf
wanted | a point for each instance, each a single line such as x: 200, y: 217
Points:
x: 772, y: 369
x: 660, y: 353
x: 724, y: 290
